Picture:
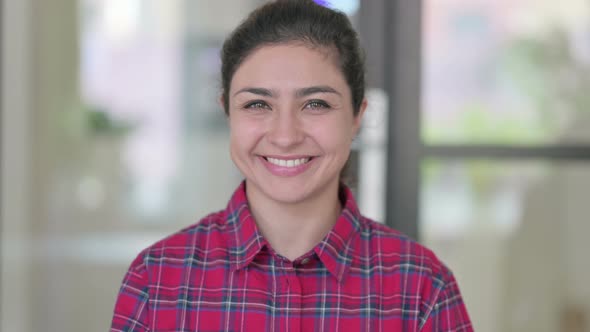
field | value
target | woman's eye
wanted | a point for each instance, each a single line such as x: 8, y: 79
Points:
x: 317, y: 104
x: 257, y: 105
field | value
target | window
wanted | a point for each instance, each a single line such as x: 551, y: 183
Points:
x: 488, y: 100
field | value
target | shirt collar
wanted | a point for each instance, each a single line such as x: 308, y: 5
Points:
x: 244, y: 239
x: 335, y: 250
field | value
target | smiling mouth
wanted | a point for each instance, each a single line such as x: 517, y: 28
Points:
x: 289, y: 162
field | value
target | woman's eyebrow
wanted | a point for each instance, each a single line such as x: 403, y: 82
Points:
x: 304, y: 92
x: 257, y: 91
x: 299, y: 93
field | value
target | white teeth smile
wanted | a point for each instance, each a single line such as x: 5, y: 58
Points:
x: 288, y: 163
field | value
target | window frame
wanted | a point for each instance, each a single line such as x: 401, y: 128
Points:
x: 391, y: 33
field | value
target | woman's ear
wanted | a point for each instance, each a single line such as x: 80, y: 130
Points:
x: 359, y: 117
x: 221, y: 103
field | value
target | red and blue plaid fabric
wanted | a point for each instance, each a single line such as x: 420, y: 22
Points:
x: 221, y: 275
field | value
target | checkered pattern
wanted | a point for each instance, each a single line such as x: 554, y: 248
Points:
x: 221, y: 275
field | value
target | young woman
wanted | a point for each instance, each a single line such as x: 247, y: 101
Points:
x: 291, y: 252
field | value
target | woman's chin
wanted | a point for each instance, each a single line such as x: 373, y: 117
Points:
x: 286, y: 193
x: 290, y: 190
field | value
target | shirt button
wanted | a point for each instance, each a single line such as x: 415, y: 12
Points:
x: 305, y: 261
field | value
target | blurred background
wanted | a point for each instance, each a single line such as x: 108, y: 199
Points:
x: 476, y: 143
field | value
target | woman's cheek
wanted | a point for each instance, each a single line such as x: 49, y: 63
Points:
x: 331, y: 135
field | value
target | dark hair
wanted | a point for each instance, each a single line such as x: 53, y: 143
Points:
x: 304, y: 21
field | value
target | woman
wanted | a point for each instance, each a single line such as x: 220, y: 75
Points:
x: 291, y: 250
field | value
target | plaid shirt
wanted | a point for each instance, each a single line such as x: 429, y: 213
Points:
x: 221, y: 275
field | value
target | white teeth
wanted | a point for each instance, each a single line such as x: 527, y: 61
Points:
x: 288, y: 163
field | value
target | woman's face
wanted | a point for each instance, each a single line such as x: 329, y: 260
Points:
x: 291, y: 122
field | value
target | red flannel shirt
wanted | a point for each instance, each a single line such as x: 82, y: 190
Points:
x: 221, y: 275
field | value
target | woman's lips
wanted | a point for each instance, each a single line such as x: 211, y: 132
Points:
x: 287, y: 162
x: 287, y: 166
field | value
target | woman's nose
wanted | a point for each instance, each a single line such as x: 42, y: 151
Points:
x: 285, y: 130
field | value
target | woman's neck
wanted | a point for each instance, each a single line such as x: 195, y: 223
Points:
x: 292, y: 229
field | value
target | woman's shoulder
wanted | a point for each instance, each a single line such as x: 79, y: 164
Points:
x: 391, y: 247
x: 198, y: 237
x: 409, y: 270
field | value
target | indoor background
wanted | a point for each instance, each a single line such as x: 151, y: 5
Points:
x: 476, y: 142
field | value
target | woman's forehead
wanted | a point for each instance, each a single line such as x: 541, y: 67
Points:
x: 288, y: 66
x: 304, y: 50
